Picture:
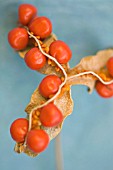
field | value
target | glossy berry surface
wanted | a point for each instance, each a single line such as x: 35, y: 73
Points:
x: 110, y: 66
x: 18, y: 38
x: 37, y: 140
x: 18, y: 129
x: 26, y: 12
x: 41, y: 26
x: 49, y: 85
x: 61, y: 51
x: 34, y: 59
x: 50, y: 115
x: 105, y: 91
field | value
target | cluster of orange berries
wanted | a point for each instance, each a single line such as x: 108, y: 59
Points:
x: 37, y: 139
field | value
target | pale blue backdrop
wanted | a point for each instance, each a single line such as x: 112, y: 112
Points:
x: 87, y: 135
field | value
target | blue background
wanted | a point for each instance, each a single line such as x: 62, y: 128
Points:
x: 87, y: 135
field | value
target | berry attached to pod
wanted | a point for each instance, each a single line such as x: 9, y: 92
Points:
x: 49, y: 85
x: 50, y: 115
x: 34, y: 59
x: 19, y: 129
x: 37, y: 140
x: 61, y: 51
x: 26, y: 12
x: 105, y: 91
x: 41, y: 26
x: 18, y: 38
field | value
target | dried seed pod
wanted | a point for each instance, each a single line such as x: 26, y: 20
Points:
x: 89, y: 70
x: 93, y: 68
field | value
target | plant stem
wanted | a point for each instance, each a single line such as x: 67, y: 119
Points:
x: 58, y: 153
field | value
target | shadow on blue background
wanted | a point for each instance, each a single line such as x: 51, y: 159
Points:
x: 87, y: 135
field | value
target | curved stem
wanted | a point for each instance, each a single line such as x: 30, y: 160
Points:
x: 93, y: 73
x: 59, y: 65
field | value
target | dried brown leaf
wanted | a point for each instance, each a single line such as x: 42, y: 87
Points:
x: 36, y: 100
x: 87, y: 80
x: 63, y: 102
x: 94, y: 63
x: 48, y: 69
x: 19, y: 148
